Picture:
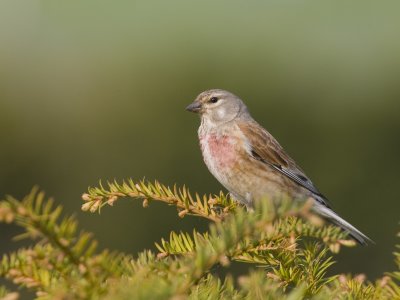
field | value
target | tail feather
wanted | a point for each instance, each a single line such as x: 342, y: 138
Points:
x: 346, y: 226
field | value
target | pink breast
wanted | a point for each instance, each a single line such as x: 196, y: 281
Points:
x: 218, y: 150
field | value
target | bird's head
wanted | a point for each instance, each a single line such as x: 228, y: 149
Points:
x: 217, y: 106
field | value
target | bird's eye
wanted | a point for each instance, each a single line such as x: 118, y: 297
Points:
x: 213, y: 100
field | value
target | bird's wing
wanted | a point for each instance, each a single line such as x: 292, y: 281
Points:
x: 265, y: 148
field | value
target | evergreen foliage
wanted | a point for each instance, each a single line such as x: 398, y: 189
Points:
x: 291, y: 248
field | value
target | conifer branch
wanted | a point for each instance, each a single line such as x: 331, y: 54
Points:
x: 39, y: 219
x: 210, y: 207
x: 285, y: 239
x: 256, y: 238
x: 60, y: 254
x: 267, y: 236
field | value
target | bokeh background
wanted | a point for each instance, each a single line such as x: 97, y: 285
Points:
x: 94, y: 90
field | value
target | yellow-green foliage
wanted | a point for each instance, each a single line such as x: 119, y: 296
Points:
x: 292, y: 247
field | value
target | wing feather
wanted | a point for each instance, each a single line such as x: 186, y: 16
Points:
x: 265, y: 148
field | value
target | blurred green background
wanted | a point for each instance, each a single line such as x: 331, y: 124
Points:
x: 95, y: 90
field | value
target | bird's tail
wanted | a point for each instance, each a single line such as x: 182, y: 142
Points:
x: 346, y: 226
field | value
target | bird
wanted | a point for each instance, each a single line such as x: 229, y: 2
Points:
x: 250, y: 163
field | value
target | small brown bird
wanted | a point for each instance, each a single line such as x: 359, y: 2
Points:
x: 248, y: 161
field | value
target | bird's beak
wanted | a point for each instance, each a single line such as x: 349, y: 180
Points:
x: 194, y: 107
